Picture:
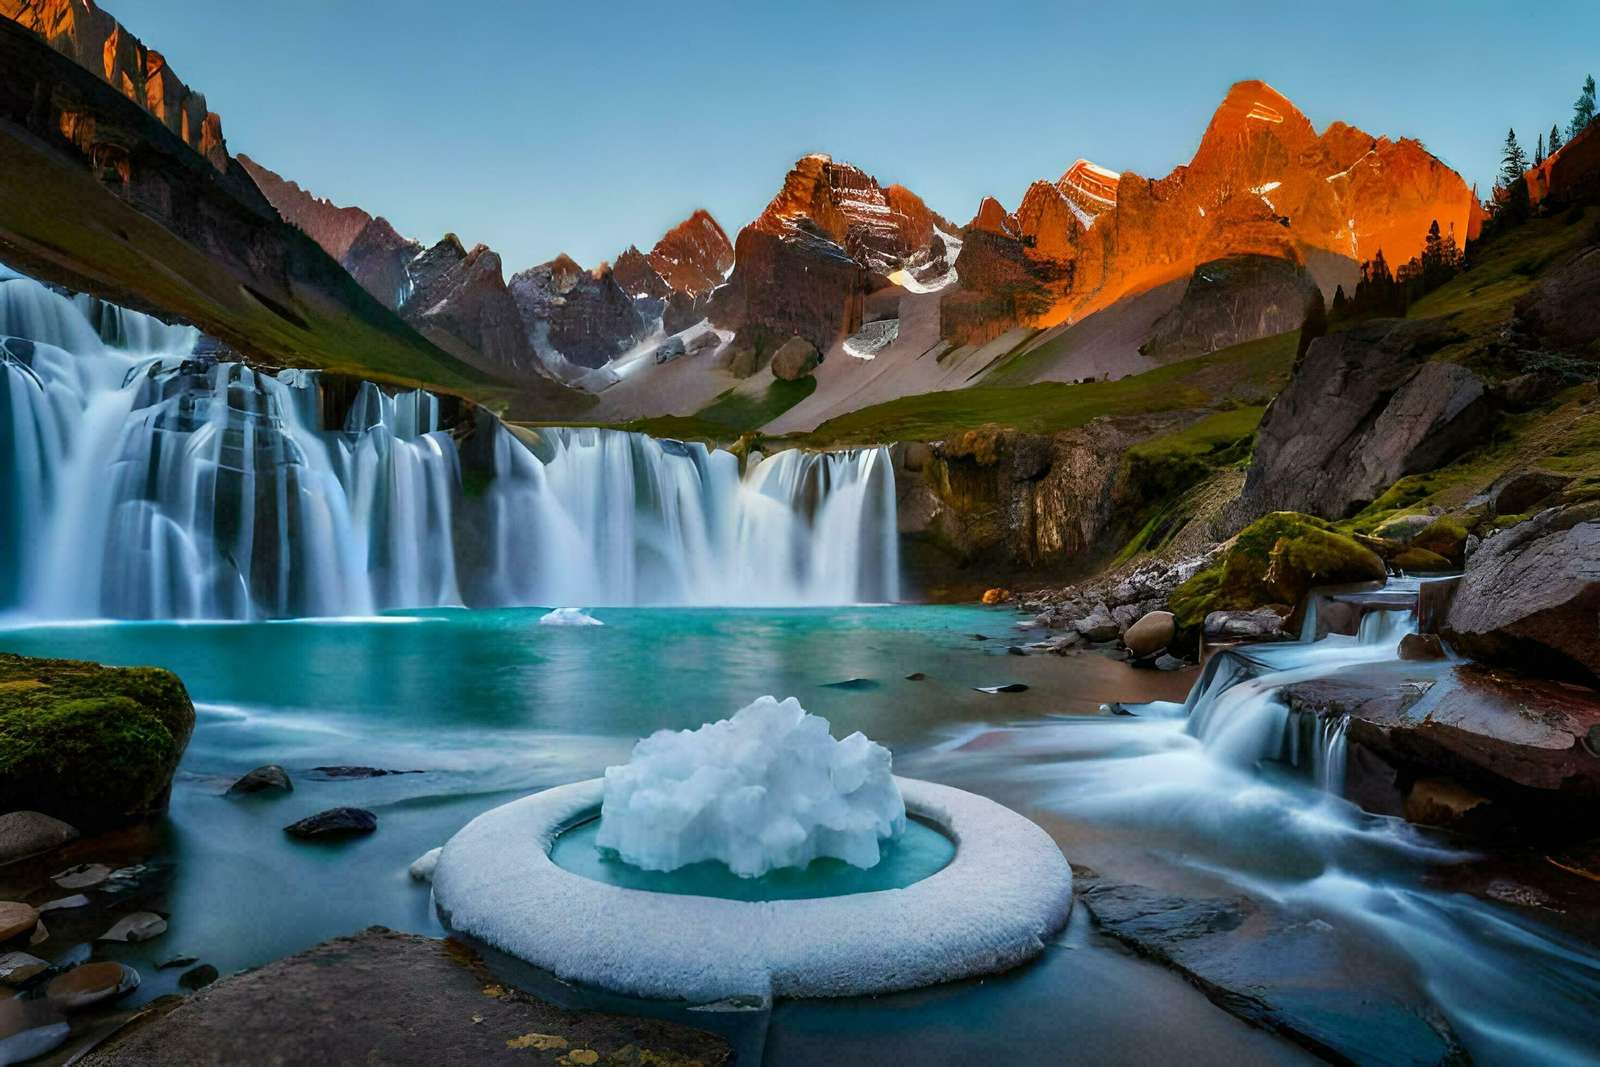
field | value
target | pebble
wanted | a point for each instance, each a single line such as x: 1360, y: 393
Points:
x: 140, y: 926
x: 17, y: 967
x: 16, y: 919
x: 334, y: 823
x: 83, y: 876
x: 77, y: 900
x: 91, y: 983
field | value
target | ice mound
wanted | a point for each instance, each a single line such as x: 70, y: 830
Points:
x: 569, y: 617
x: 767, y: 788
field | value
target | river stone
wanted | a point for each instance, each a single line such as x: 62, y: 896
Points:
x: 90, y: 983
x: 395, y: 999
x: 76, y: 900
x: 16, y: 919
x: 17, y: 967
x: 268, y: 777
x: 199, y: 977
x: 1098, y: 625
x: 1421, y: 647
x: 333, y: 824
x: 795, y: 359
x: 29, y: 1029
x: 1150, y: 634
x: 27, y: 833
x: 1530, y: 597
x: 83, y: 876
x: 140, y: 926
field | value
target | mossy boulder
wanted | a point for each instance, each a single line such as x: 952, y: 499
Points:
x: 1446, y: 536
x: 96, y: 746
x: 1420, y: 559
x: 1277, y: 559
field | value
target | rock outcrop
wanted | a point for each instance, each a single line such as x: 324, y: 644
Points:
x: 460, y: 302
x: 95, y: 746
x: 1364, y: 408
x: 1263, y: 182
x: 694, y: 256
x: 1531, y: 596
x: 583, y: 315
x: 1231, y: 300
x: 97, y: 42
x: 1563, y: 310
x: 1570, y: 176
x: 805, y: 266
x: 795, y: 359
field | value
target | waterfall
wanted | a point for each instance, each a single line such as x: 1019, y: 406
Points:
x: 142, y: 482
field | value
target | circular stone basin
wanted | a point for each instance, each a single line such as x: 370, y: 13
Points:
x: 919, y: 852
x: 990, y: 907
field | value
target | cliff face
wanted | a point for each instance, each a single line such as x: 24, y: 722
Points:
x: 98, y: 43
x: 1263, y: 182
x: 694, y: 256
x: 805, y: 266
x: 1571, y: 175
x: 583, y: 315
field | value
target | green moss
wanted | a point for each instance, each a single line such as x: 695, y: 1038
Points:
x: 1420, y: 559
x: 1445, y: 537
x: 1275, y: 560
x: 89, y: 744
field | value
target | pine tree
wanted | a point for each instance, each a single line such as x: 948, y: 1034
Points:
x: 1538, y: 153
x: 1555, y: 139
x: 1583, y: 110
x: 1513, y: 160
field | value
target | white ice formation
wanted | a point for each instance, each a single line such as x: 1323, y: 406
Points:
x: 569, y: 617
x: 767, y: 788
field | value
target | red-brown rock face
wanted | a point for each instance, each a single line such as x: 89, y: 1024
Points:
x: 694, y: 256
x: 93, y: 39
x: 805, y: 265
x: 1263, y: 182
x: 1571, y: 174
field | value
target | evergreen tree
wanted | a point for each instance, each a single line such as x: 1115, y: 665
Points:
x: 1583, y: 110
x: 1538, y: 153
x: 1341, y: 303
x: 1555, y: 139
x: 1513, y: 160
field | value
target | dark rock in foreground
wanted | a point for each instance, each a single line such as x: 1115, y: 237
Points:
x: 384, y: 997
x: 263, y: 779
x: 333, y: 824
x: 1281, y: 973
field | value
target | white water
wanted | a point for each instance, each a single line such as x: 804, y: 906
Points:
x: 1230, y: 786
x: 139, y: 483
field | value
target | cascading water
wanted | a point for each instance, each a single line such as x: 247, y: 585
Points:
x: 1232, y: 785
x: 143, y: 483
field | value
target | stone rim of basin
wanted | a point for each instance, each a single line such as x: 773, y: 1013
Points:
x: 1006, y: 892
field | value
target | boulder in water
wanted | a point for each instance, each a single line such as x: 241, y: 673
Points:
x: 334, y: 824
x: 91, y: 983
x: 1531, y: 596
x: 28, y: 833
x: 1152, y: 633
x: 1421, y: 647
x: 123, y: 728
x: 270, y: 777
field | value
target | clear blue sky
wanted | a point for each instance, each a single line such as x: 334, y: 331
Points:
x: 582, y: 127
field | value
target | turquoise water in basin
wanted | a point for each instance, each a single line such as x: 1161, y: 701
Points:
x: 921, y: 851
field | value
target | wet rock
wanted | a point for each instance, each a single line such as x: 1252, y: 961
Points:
x: 91, y: 983
x: 395, y: 999
x: 18, y: 968
x: 334, y: 824
x: 1449, y: 805
x: 77, y: 900
x: 1420, y: 561
x: 1421, y: 647
x: 795, y: 359
x: 1150, y: 634
x: 1531, y: 596
x: 198, y: 978
x: 140, y: 926
x: 270, y: 777
x: 28, y: 833
x: 83, y: 876
x: 29, y: 1029
x: 1098, y: 625
x: 16, y: 919
x: 1403, y: 528
x: 356, y: 772
x: 1257, y: 624
x: 1272, y: 970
